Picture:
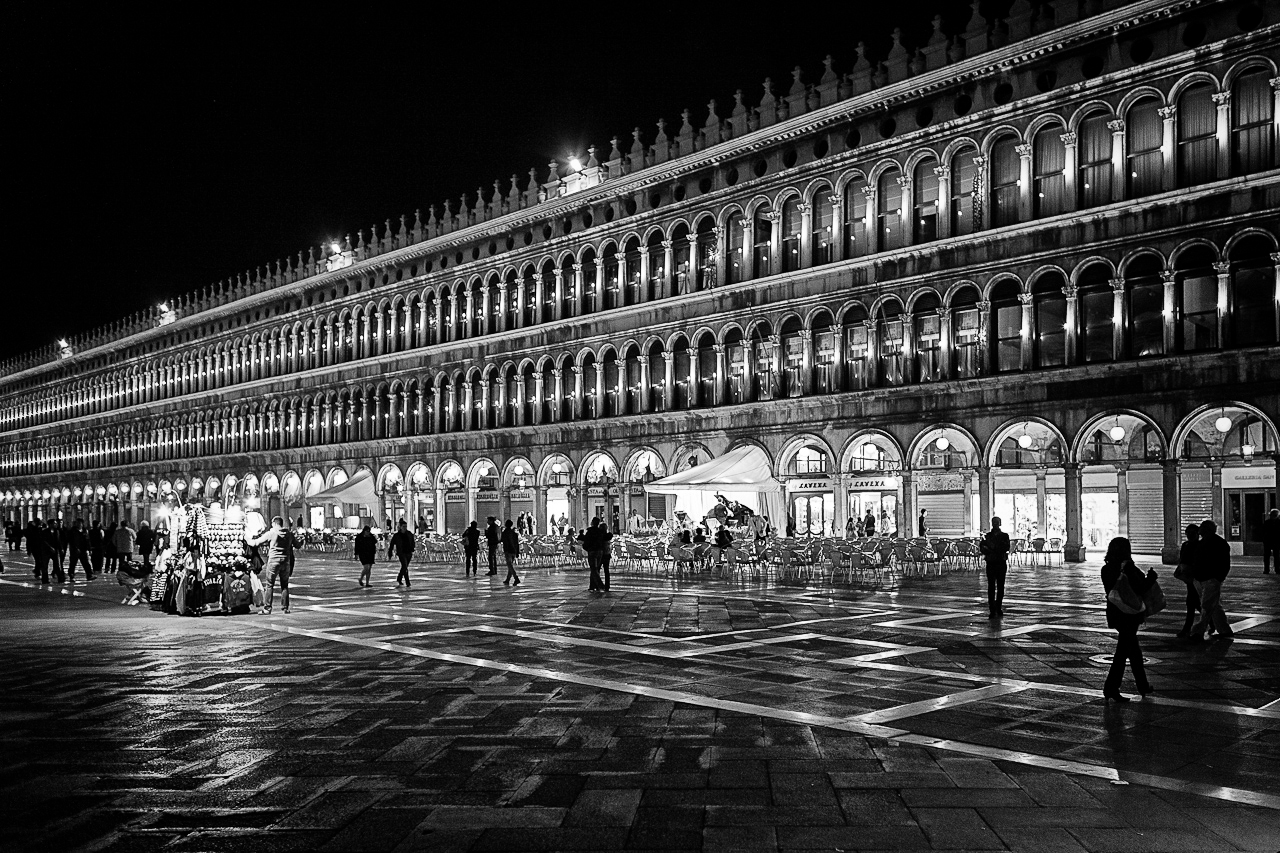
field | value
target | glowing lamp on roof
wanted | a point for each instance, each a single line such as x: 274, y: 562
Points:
x: 575, y: 164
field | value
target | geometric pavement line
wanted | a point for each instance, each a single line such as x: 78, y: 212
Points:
x: 848, y: 724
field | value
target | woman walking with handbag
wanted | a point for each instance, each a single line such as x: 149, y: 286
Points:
x: 1126, y: 587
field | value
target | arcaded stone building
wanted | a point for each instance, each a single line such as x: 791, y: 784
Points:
x: 1029, y: 269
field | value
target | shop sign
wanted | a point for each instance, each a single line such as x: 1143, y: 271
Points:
x: 636, y: 491
x: 1249, y: 478
x: 455, y: 498
x: 874, y: 484
x: 595, y: 491
x: 486, y: 495
x: 941, y: 482
x: 810, y: 483
x: 520, y: 494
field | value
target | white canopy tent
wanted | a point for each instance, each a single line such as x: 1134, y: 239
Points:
x: 741, y: 475
x: 358, y: 490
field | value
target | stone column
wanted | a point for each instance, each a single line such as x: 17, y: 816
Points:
x: 557, y: 386
x: 469, y: 409
x: 418, y: 424
x: 722, y: 375
x: 906, y: 210
x: 1122, y: 499
x: 775, y: 366
x: 1275, y: 260
x: 944, y: 201
x: 646, y: 273
x: 579, y: 291
x: 806, y: 363
x: 577, y: 410
x: 1119, y: 316
x: 984, y: 337
x: 748, y: 260
x: 540, y: 509
x: 838, y: 359
x: 1169, y: 146
x: 1223, y: 102
x: 424, y: 322
x: 440, y: 319
x: 452, y: 320
x: 691, y: 275
x: 646, y: 392
x: 1215, y: 483
x: 1172, y: 512
x: 806, y: 236
x: 500, y: 410
x: 1070, y: 169
x: 598, y: 285
x: 668, y: 268
x: 1028, y: 330
x: 1025, y: 182
x: 520, y: 400
x: 380, y: 346
x: 907, y: 506
x: 945, y: 345
x: 984, y: 498
x: 1169, y: 312
x: 393, y: 416
x: 558, y: 295
x: 521, y: 306
x: 1226, y: 302
x: 1073, y: 548
x: 1071, y: 292
x: 1118, y: 182
x: 1042, y: 508
x: 837, y: 228
x: 451, y: 409
x: 599, y: 390
x: 502, y: 306
x: 437, y: 420
x: 538, y: 392
x: 694, y: 394
x: 668, y: 381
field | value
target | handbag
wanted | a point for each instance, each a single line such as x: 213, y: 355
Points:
x: 1123, y: 598
x: 1153, y: 598
x: 1182, y: 573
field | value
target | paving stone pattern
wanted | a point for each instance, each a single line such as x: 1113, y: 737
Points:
x: 699, y: 714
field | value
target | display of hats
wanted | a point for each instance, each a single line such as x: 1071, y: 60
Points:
x: 216, y: 515
x: 233, y: 515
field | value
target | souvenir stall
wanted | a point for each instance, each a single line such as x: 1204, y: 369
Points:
x: 208, y: 569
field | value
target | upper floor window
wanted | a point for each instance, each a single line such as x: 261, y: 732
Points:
x: 733, y: 261
x: 821, y: 222
x: 889, y: 210
x: 1093, y: 150
x: 1050, y: 318
x: 963, y: 174
x: 1005, y: 166
x: 1007, y: 322
x: 1145, y: 294
x: 924, y: 221
x: 1049, y: 189
x: 1197, y: 136
x: 1252, y: 135
x: 762, y: 238
x: 855, y: 219
x: 791, y: 221
x: 1144, y: 132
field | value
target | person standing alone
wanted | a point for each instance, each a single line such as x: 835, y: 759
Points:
x: 366, y: 550
x: 995, y: 551
x: 78, y: 548
x: 1271, y: 542
x: 492, y: 535
x: 471, y: 551
x: 402, y: 545
x: 511, y: 550
x: 1118, y: 562
x: 124, y: 541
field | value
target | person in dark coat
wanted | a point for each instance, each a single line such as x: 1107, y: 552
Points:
x: 97, y: 540
x: 1187, y: 558
x: 402, y: 545
x: 471, y: 550
x: 78, y: 548
x: 366, y: 551
x: 995, y: 551
x: 145, y: 542
x: 1119, y: 560
x: 594, y: 543
x: 1271, y: 541
x: 492, y: 536
x: 1210, y: 569
x: 511, y: 550
x: 109, y: 548
x: 40, y: 549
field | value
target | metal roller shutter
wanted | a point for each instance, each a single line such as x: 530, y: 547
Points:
x: 484, y: 509
x: 455, y: 516
x: 1146, y: 519
x: 1195, y: 503
x: 946, y: 513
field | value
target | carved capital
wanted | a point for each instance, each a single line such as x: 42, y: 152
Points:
x: 1026, y: 298
x: 1117, y: 285
x: 1168, y: 277
x: 1222, y: 267
x: 1168, y: 113
x: 1070, y: 291
x: 1116, y: 125
x: 869, y: 192
x: 904, y: 181
x: 667, y: 244
x: 1069, y: 139
x: 719, y: 349
x: 1024, y: 150
x: 1222, y: 99
x: 806, y: 335
x: 943, y: 172
x: 804, y: 207
x: 642, y: 360
x: 983, y: 305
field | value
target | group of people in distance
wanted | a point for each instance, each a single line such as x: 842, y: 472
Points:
x: 58, y: 547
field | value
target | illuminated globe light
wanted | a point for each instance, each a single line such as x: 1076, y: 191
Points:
x: 1117, y: 433
x: 336, y: 248
x: 1025, y: 441
x: 942, y: 443
x: 1222, y: 424
x: 575, y: 164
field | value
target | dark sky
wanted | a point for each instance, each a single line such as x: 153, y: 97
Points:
x: 151, y: 154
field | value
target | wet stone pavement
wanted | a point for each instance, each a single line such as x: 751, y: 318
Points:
x: 699, y: 714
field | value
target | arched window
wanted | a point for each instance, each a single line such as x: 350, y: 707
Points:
x: 963, y: 174
x: 889, y: 211
x: 1006, y: 321
x: 1093, y: 151
x: 857, y: 348
x: 1005, y: 171
x: 1049, y: 190
x: 791, y: 222
x: 855, y: 219
x: 966, y: 331
x: 928, y: 339
x: 1197, y: 301
x: 733, y: 261
x: 1050, y: 333
x: 891, y: 340
x: 821, y: 222
x: 1143, y: 134
x: 1253, y: 308
x: 1197, y: 136
x: 1144, y: 291
x: 924, y: 222
x: 1252, y: 109
x: 762, y: 238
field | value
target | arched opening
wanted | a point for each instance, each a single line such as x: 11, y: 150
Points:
x: 890, y: 337
x: 1049, y: 336
x: 1006, y: 187
x: 791, y: 229
x: 1254, y: 306
x: 1197, y: 121
x: 762, y: 240
x: 889, y: 231
x: 1144, y: 293
x: 964, y: 177
x: 924, y: 219
x: 822, y: 220
x: 1252, y: 123
x: 1049, y: 185
x: 1097, y: 320
x: 1006, y: 324
x: 1196, y: 300
x: 856, y: 220
x: 926, y: 312
x: 1144, y: 133
x: 1093, y: 181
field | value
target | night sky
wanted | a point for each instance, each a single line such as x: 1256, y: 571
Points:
x: 152, y: 154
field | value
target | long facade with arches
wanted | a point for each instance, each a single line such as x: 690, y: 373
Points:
x: 1032, y: 269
